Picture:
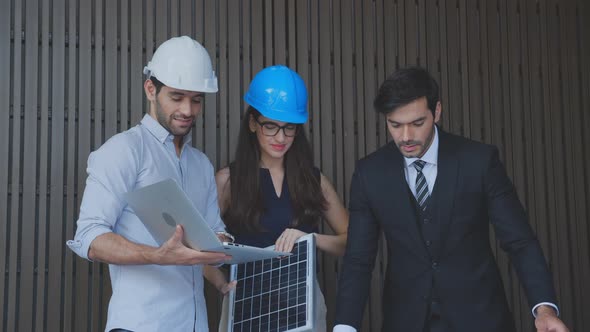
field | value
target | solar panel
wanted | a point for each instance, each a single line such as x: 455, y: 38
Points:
x: 275, y: 294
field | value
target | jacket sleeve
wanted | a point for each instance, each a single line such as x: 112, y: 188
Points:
x: 515, y: 235
x: 359, y: 258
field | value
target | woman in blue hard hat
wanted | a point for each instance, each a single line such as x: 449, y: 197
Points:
x: 272, y: 193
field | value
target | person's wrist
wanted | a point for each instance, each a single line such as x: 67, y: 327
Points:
x: 545, y: 310
x: 221, y: 287
x: 150, y: 256
x: 228, y: 236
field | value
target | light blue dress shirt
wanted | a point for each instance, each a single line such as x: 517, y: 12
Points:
x: 146, y: 297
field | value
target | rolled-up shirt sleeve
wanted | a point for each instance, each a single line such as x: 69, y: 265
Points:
x: 112, y: 171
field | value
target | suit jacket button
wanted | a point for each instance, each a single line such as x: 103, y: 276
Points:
x: 434, y: 265
x: 426, y: 220
x: 428, y: 243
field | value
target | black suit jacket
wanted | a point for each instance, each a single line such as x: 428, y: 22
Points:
x: 472, y: 190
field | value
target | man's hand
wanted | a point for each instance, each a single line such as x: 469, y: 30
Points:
x: 287, y: 240
x: 547, y: 320
x: 174, y: 252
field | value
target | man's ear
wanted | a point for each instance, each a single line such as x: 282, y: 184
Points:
x: 437, y: 112
x: 150, y: 90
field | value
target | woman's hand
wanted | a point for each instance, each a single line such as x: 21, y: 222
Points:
x: 227, y: 287
x: 217, y: 278
x: 287, y: 240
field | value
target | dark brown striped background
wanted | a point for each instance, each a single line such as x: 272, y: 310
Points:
x: 515, y: 73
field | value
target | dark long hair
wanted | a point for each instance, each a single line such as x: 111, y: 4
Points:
x: 246, y: 205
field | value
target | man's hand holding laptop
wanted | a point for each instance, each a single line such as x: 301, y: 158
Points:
x: 175, y: 252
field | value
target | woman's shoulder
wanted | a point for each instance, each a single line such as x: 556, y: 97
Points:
x: 222, y: 176
x: 223, y: 172
x: 317, y: 173
x: 324, y: 181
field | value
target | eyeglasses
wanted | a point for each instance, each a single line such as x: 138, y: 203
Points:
x: 272, y: 129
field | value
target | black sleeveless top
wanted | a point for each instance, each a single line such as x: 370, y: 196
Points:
x: 278, y: 214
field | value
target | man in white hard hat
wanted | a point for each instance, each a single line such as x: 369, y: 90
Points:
x: 155, y: 288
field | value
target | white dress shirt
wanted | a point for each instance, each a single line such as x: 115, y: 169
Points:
x: 146, y: 297
x: 430, y: 169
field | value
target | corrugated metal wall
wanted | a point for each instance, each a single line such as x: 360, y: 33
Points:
x: 515, y: 73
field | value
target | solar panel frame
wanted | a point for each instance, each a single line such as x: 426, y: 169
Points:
x: 270, y: 282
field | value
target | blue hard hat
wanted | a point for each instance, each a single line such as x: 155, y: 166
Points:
x: 278, y: 93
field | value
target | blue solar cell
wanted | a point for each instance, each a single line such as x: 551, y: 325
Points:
x: 241, y: 272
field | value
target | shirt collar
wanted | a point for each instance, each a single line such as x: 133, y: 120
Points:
x: 160, y: 133
x: 431, y: 155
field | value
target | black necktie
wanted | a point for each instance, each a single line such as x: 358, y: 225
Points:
x: 421, y: 185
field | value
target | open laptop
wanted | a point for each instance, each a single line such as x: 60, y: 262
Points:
x: 163, y: 205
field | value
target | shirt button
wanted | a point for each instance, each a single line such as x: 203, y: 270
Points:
x: 428, y: 243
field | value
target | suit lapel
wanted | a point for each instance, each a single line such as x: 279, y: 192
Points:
x: 402, y: 206
x: 445, y: 185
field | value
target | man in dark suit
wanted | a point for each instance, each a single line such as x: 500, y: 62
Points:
x: 433, y: 194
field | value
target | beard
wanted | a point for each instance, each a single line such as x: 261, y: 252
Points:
x: 166, y: 121
x: 417, y: 153
x: 421, y: 147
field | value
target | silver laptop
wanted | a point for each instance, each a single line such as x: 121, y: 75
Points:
x: 163, y: 205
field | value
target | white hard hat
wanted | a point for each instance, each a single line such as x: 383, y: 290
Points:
x: 182, y: 63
